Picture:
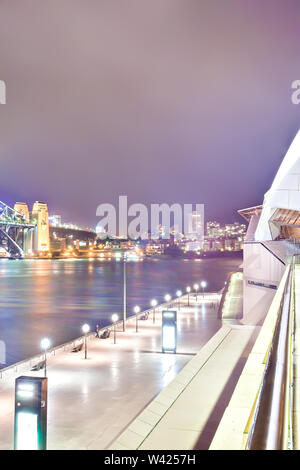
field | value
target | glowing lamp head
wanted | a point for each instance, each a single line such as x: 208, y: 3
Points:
x: 45, y: 343
x: 196, y: 286
x: 115, y: 317
x: 167, y: 297
x: 85, y: 328
x: 188, y: 289
x: 179, y: 293
x: 136, y: 309
x: 203, y: 284
x: 153, y: 303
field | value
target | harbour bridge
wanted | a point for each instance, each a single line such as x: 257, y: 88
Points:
x: 14, y: 228
x: 24, y: 233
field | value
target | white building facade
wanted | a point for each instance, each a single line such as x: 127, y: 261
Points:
x: 273, y: 235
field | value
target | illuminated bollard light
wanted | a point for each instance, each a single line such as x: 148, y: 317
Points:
x: 203, y: 285
x: 169, y: 331
x: 188, y: 289
x: 30, y: 430
x: 196, y: 288
x: 179, y: 294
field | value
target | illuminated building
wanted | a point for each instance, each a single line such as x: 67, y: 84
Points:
x: 55, y: 220
x: 273, y: 234
x: 195, y: 227
x: 154, y: 248
x: 213, y: 230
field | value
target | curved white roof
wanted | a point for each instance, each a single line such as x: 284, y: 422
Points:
x: 284, y: 192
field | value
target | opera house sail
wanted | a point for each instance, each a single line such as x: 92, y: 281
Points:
x: 273, y: 235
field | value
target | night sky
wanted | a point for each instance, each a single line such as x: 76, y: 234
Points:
x: 184, y: 101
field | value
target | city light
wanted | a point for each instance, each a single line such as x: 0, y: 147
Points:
x: 188, y: 289
x: 167, y: 297
x: 45, y: 343
x: 85, y: 328
x: 196, y: 287
x: 115, y: 318
x: 169, y: 331
x: 179, y: 294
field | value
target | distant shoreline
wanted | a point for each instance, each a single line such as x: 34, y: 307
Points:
x: 170, y: 255
x: 206, y: 255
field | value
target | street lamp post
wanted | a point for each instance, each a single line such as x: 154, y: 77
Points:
x: 188, y: 289
x: 115, y: 318
x: 136, y: 311
x: 124, y: 290
x: 45, y: 345
x: 196, y: 287
x: 203, y: 285
x: 153, y: 304
x: 85, y: 329
x: 167, y: 297
x: 179, y: 294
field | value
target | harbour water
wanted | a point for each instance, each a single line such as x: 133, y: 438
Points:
x: 54, y: 298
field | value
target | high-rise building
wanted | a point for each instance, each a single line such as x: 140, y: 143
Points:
x: 196, y: 226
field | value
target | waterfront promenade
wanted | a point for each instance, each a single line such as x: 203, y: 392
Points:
x: 92, y: 401
x: 186, y: 414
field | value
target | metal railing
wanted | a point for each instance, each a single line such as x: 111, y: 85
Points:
x: 28, y: 362
x: 272, y: 425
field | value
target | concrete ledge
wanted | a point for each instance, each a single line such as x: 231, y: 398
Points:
x: 147, y: 420
x: 232, y: 432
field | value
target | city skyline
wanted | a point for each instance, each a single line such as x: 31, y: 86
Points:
x: 124, y: 105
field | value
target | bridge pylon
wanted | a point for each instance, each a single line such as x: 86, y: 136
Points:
x: 41, y: 239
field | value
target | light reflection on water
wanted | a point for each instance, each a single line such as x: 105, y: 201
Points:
x: 54, y: 298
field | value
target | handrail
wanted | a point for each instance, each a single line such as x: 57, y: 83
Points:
x: 37, y: 357
x: 272, y: 406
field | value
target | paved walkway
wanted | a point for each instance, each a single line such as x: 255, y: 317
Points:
x: 186, y: 414
x: 92, y: 401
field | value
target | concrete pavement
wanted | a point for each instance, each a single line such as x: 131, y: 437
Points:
x: 92, y: 401
x: 186, y: 414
